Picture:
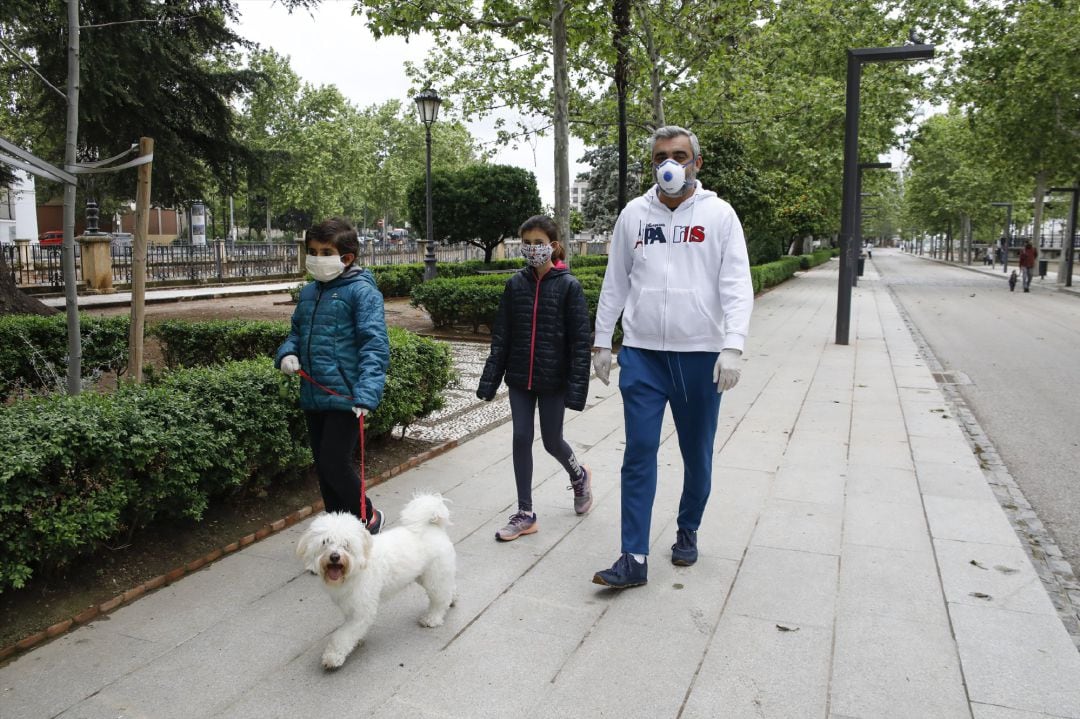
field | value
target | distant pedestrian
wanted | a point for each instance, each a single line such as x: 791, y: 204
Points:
x: 1027, y: 264
x: 338, y: 338
x: 540, y: 343
x: 679, y: 275
x: 1012, y: 281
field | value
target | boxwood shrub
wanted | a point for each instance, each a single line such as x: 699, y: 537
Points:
x: 33, y: 350
x: 81, y: 470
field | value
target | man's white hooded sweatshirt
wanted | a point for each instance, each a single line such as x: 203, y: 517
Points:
x: 680, y: 278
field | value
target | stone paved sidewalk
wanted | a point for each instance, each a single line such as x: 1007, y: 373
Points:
x: 855, y: 563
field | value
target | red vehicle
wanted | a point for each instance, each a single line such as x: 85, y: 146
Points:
x: 52, y: 238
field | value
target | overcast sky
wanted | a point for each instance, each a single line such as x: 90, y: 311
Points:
x: 329, y: 46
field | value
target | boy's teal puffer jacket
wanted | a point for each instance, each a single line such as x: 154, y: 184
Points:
x: 339, y: 334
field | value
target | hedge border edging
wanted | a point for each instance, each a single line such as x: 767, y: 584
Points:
x: 163, y: 580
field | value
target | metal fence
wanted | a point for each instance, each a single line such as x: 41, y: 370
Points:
x: 216, y: 261
x: 36, y: 266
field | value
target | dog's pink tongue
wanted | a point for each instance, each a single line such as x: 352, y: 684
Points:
x: 333, y: 573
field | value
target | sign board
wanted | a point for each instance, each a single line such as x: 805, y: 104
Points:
x: 198, y: 224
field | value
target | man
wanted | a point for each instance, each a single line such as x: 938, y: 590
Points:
x: 1027, y: 264
x: 679, y: 274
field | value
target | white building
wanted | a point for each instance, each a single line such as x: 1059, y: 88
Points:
x: 18, y: 210
x: 578, y: 192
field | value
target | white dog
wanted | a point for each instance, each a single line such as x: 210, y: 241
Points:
x: 359, y: 570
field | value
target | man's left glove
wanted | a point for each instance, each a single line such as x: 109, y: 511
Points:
x: 726, y: 372
x: 361, y: 412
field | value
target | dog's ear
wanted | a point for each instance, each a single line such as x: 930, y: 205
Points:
x: 305, y: 544
x: 363, y: 554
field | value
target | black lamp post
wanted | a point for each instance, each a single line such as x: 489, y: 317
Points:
x: 427, y: 102
x: 858, y: 240
x: 1007, y: 237
x: 849, y: 210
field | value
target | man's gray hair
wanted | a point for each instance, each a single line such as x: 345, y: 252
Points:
x: 669, y: 131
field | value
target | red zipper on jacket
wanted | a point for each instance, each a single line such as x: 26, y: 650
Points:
x: 532, y: 342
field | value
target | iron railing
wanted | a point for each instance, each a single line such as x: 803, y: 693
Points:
x: 37, y: 266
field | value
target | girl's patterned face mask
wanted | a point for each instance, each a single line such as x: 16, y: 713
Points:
x: 536, y: 255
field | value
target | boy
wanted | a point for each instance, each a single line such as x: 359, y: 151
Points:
x: 338, y: 337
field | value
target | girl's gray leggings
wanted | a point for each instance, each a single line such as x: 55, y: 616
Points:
x: 523, y: 405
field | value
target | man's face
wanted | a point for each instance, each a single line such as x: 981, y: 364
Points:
x: 680, y: 150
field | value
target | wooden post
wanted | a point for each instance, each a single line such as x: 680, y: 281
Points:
x: 138, y: 264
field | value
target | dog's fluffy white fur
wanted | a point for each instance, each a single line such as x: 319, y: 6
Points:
x: 359, y: 570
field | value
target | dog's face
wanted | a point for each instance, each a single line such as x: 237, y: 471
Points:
x: 336, y: 545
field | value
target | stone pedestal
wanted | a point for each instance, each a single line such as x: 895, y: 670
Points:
x: 421, y: 250
x: 97, y: 263
x: 22, y: 253
x: 583, y: 247
x: 301, y: 257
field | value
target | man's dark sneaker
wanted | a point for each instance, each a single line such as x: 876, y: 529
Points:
x: 684, y: 551
x: 375, y: 523
x: 626, y: 572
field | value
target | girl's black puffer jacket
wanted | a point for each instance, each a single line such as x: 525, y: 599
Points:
x: 541, y: 337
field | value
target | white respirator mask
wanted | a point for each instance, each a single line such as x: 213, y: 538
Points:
x: 325, y: 268
x: 671, y: 177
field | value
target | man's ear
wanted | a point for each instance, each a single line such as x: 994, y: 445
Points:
x: 697, y: 162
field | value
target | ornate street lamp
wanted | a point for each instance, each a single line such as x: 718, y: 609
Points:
x: 427, y: 102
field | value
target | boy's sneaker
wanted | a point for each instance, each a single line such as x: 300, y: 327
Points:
x: 626, y: 572
x: 583, y: 492
x: 684, y: 551
x: 520, y: 523
x: 375, y: 523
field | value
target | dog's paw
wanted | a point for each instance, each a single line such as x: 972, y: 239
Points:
x: 432, y: 620
x: 332, y: 659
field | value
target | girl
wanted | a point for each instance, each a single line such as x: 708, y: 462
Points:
x: 541, y: 342
x: 339, y: 338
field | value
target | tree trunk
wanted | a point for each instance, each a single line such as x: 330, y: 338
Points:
x: 1036, y: 222
x: 14, y: 301
x: 655, y: 87
x: 621, y: 18
x: 562, y: 122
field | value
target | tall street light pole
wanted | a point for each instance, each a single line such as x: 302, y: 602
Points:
x: 427, y: 102
x: 1007, y: 237
x: 848, y: 214
x: 857, y: 244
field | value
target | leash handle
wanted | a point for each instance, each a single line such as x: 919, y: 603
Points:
x: 363, y: 483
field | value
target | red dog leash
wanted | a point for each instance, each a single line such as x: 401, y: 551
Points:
x: 363, y: 487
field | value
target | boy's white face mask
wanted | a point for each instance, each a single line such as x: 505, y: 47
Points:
x: 325, y: 268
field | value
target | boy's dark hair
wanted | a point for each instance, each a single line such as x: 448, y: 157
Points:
x: 546, y: 225
x: 338, y: 232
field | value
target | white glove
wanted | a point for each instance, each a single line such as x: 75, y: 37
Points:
x: 601, y: 362
x: 290, y: 364
x: 361, y: 412
x: 726, y: 372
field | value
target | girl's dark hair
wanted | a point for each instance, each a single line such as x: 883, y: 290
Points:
x: 338, y: 232
x: 546, y: 225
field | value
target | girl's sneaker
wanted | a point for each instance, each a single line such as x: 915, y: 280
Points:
x: 583, y: 492
x: 520, y: 523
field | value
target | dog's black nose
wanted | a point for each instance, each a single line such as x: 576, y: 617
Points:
x: 335, y: 557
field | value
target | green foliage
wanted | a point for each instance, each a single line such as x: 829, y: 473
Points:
x: 481, y: 205
x: 196, y: 344
x: 420, y: 369
x: 773, y: 273
x: 87, y: 468
x: 33, y: 350
x: 461, y: 300
x: 399, y: 280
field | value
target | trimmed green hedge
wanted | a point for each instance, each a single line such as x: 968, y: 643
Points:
x: 420, y: 368
x: 83, y: 469
x: 33, y: 350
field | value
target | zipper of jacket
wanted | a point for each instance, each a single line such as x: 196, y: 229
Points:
x: 318, y: 299
x: 532, y: 341
x: 667, y: 275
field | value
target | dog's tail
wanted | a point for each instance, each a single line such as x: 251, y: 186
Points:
x: 425, y: 509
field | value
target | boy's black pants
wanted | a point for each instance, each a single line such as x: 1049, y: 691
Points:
x: 334, y: 436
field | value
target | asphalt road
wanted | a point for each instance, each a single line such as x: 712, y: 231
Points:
x: 1022, y: 355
